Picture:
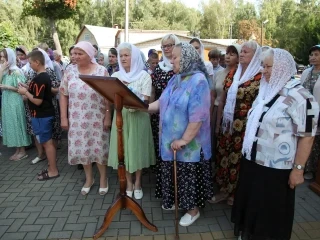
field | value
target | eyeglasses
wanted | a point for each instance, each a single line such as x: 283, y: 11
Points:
x: 167, y: 46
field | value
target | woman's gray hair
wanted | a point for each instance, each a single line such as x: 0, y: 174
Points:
x: 250, y: 44
x: 172, y: 37
x: 124, y: 45
x: 267, y: 53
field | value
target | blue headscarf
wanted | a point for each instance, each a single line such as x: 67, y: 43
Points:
x: 191, y: 63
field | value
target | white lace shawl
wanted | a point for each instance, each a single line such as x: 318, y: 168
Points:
x: 253, y: 68
x: 283, y: 69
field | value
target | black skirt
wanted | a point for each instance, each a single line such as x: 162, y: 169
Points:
x: 195, y: 185
x: 264, y: 203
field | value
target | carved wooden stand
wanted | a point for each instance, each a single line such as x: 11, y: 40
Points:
x: 122, y: 201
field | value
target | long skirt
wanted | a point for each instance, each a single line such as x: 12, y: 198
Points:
x: 137, y: 139
x: 195, y: 185
x: 264, y: 203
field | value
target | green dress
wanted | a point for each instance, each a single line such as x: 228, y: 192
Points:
x: 137, y: 135
x: 14, y: 125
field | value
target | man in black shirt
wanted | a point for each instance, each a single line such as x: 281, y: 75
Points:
x: 42, y: 111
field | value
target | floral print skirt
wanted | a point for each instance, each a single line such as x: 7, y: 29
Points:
x: 194, y: 183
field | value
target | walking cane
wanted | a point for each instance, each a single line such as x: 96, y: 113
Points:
x: 176, y: 204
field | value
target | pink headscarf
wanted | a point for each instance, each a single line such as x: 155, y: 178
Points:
x: 88, y: 48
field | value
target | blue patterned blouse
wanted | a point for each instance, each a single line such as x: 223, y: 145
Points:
x: 179, y: 106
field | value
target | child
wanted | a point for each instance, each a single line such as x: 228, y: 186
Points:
x: 153, y: 62
x: 42, y: 111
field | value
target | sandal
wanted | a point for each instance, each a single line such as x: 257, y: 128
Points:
x: 104, y: 191
x: 22, y: 157
x: 218, y: 197
x: 85, y: 191
x: 45, y: 176
x: 42, y: 172
x: 230, y: 201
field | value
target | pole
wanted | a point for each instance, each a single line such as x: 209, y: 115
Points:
x: 126, y: 35
x: 261, y: 34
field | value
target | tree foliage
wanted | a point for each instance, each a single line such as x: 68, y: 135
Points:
x: 293, y: 25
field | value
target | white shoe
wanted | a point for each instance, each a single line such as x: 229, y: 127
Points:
x: 187, y: 219
x: 239, y: 238
x: 138, y: 194
x: 37, y: 159
x: 85, y: 191
x: 129, y: 193
x: 104, y: 191
x: 169, y: 209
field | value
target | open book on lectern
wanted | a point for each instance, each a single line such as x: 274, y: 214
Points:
x: 108, y: 87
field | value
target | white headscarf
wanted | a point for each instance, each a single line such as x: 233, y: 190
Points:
x: 47, y: 61
x: 165, y: 64
x: 12, y: 61
x: 253, y: 68
x: 137, y: 65
x: 284, y: 67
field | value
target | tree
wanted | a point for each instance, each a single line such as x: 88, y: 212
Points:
x: 8, y: 36
x: 52, y: 10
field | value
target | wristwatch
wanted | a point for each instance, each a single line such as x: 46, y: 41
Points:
x: 298, y: 166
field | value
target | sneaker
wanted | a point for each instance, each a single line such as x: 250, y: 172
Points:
x: 187, y: 219
x: 37, y: 159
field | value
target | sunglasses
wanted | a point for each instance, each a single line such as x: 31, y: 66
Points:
x: 167, y: 46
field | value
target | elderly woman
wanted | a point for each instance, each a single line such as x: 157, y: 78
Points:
x: 71, y: 57
x: 113, y: 65
x: 185, y: 127
x: 231, y: 60
x: 310, y: 79
x: 197, y: 44
x: 56, y: 133
x: 87, y: 117
x: 240, y: 90
x: 138, y: 143
x: 160, y: 78
x: 21, y: 52
x: 13, y: 113
x: 283, y: 122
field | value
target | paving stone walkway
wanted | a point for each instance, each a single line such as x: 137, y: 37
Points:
x: 55, y: 209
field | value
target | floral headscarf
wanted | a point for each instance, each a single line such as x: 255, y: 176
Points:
x: 191, y: 62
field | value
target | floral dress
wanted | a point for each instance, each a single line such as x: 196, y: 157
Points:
x: 56, y: 131
x: 160, y: 80
x: 230, y: 145
x: 87, y: 140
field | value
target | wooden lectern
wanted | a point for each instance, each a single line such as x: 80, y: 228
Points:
x: 116, y: 92
x: 315, y: 186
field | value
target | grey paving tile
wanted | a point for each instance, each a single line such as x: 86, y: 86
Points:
x: 59, y: 225
x: 32, y: 218
x: 30, y: 228
x: 31, y: 236
x: 135, y: 228
x: 14, y: 236
x: 3, y: 229
x: 77, y: 235
x: 61, y: 234
x: 90, y: 229
x: 44, y: 232
x: 16, y: 225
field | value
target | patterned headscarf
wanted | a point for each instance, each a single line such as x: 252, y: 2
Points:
x: 191, y: 62
x: 284, y: 67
